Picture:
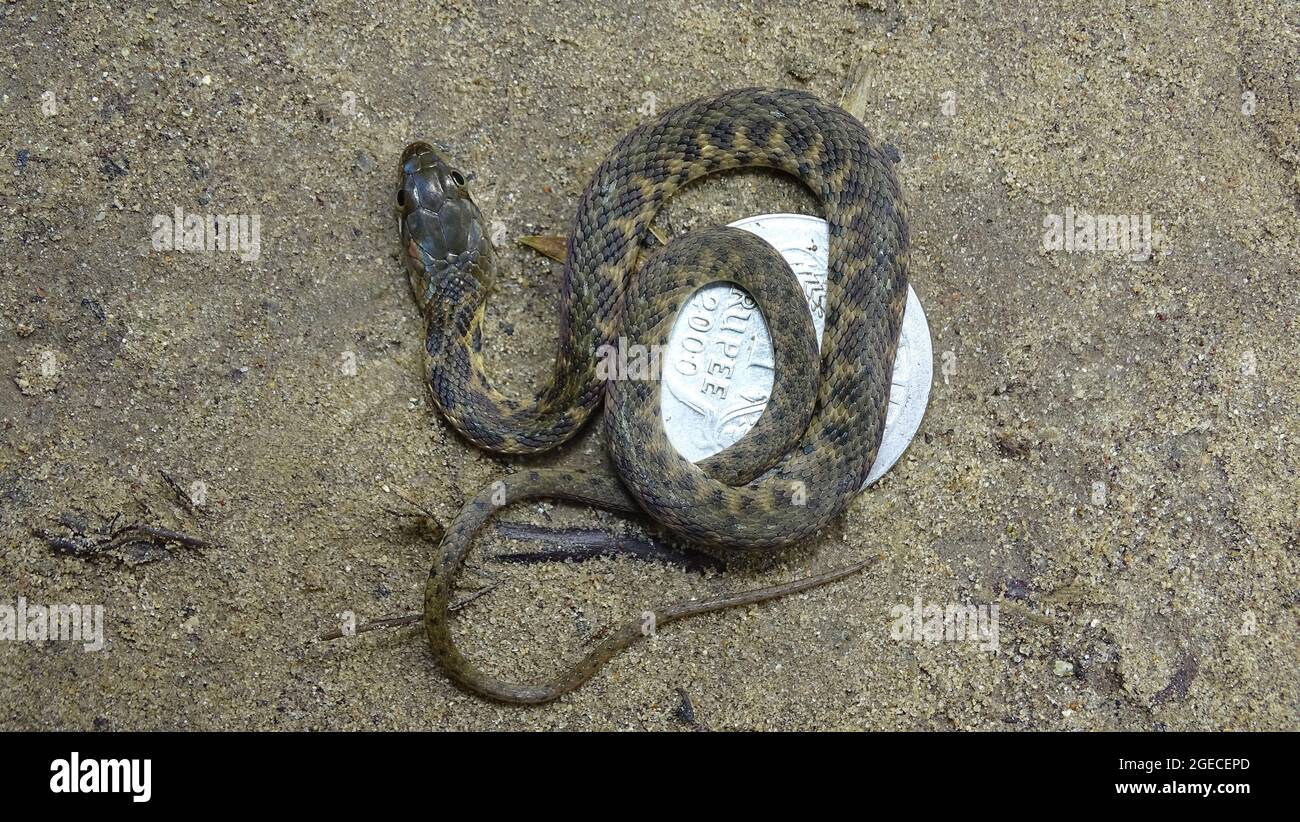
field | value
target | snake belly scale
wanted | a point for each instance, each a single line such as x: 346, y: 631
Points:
x: 808, y: 454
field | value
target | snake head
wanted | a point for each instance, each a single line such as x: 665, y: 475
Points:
x: 444, y: 243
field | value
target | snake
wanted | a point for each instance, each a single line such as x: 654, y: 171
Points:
x: 810, y: 450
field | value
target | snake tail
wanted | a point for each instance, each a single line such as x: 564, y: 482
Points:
x: 579, y: 486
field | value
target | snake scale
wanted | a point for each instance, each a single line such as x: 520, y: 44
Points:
x: 811, y: 449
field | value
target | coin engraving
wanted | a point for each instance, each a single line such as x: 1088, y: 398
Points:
x: 718, y: 366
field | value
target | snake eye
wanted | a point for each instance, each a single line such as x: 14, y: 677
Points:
x: 401, y: 198
x: 457, y: 178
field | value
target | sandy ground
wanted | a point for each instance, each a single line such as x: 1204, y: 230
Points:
x: 1111, y: 453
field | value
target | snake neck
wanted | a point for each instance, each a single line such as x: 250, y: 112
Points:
x: 453, y: 294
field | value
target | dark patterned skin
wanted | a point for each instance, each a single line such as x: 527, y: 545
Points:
x: 809, y: 453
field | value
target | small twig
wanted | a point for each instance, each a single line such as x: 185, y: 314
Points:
x: 398, y: 622
x: 435, y: 524
x: 79, y: 544
x: 393, y: 512
x: 373, y: 625
x: 470, y: 598
x: 400, y: 494
x: 159, y: 534
x: 582, y: 544
x: 182, y: 496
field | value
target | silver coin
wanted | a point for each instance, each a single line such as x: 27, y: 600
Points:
x: 717, y: 369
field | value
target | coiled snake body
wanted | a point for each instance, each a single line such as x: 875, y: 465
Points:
x: 812, y: 447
